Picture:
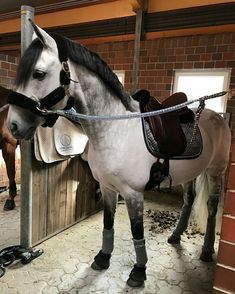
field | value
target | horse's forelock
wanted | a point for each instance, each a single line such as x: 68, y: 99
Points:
x: 27, y: 63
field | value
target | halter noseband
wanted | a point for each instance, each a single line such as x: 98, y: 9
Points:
x: 54, y: 96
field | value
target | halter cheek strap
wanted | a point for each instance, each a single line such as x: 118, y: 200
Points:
x: 54, y: 96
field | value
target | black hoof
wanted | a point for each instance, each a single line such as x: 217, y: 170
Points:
x: 9, y: 204
x: 173, y: 239
x: 137, y: 277
x: 101, y: 261
x: 206, y: 256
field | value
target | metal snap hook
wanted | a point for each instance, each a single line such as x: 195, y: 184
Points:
x: 43, y: 111
x: 65, y: 66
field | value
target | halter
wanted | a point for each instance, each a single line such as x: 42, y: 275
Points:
x: 55, y: 96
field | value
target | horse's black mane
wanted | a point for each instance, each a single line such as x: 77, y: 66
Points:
x: 80, y: 55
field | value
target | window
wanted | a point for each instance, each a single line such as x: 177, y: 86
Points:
x: 197, y: 83
x: 121, y: 75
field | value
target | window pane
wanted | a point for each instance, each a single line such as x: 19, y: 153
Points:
x: 197, y: 84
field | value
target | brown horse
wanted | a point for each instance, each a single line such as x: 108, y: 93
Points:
x: 8, y: 145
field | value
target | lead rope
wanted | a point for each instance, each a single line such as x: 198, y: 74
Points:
x: 76, y: 117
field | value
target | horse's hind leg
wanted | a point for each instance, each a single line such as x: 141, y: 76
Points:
x: 102, y: 259
x: 135, y: 206
x: 215, y: 191
x: 8, y: 152
x: 189, y: 194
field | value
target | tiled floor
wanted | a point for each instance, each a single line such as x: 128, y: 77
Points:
x: 65, y: 265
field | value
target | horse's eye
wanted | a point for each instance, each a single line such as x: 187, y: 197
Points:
x: 39, y: 75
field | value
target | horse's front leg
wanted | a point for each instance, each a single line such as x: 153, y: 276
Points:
x: 135, y: 206
x: 102, y: 259
x: 8, y: 152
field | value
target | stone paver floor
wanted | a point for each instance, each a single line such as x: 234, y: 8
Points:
x: 65, y: 265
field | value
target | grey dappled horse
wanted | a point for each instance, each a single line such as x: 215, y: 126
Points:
x: 117, y: 153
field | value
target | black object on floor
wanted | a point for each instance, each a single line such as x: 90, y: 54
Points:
x: 9, y: 254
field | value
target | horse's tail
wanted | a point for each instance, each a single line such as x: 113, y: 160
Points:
x: 200, y: 210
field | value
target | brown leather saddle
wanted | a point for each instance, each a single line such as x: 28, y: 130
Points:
x: 169, y: 135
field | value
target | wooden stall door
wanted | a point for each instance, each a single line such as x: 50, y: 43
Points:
x: 63, y: 194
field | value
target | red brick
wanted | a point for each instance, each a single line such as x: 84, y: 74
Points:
x: 205, y: 56
x: 217, y: 56
x: 190, y: 50
x: 220, y: 63
x: 181, y: 58
x: 179, y: 51
x: 209, y: 64
x: 224, y: 278
x: 198, y: 64
x: 229, y: 205
x: 222, y: 48
x: 11, y: 59
x: 188, y: 65
x: 233, y: 151
x: 171, y: 58
x: 178, y: 65
x: 200, y: 50
x: 226, y: 254
x: 231, y: 177
x: 228, y: 55
x: 231, y: 63
x: 211, y: 49
x: 193, y: 57
x: 11, y: 74
x: 5, y: 65
x: 227, y: 230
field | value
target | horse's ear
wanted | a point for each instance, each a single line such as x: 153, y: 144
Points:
x: 43, y: 36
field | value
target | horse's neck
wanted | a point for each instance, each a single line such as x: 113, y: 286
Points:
x: 95, y: 98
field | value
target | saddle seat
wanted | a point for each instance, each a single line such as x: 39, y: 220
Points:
x: 166, y: 128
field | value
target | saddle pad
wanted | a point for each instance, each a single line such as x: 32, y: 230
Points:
x: 61, y: 142
x: 69, y: 138
x: 192, y: 150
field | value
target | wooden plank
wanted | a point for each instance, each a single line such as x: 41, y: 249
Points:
x: 39, y: 201
x: 63, y: 194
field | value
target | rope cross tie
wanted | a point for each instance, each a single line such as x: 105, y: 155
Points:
x: 76, y: 117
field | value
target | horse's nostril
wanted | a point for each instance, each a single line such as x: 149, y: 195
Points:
x: 13, y: 127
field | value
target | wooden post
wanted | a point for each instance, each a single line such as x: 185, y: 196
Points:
x: 138, y: 25
x: 138, y: 34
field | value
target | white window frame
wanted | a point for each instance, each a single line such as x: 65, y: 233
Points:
x: 226, y: 73
x: 121, y: 75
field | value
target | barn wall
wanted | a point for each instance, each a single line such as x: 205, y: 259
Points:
x: 225, y: 268
x: 8, y: 66
x: 159, y: 58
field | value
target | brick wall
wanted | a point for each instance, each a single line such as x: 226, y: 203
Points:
x: 8, y: 66
x: 225, y: 268
x: 159, y: 58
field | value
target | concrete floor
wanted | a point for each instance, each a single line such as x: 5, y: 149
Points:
x: 64, y: 266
